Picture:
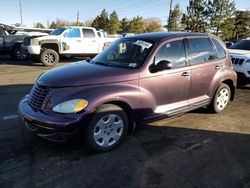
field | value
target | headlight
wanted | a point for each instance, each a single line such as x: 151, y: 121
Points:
x: 34, y: 41
x: 71, y: 106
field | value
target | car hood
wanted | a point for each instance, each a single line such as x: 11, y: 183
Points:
x: 83, y: 73
x: 49, y: 37
x: 239, y: 52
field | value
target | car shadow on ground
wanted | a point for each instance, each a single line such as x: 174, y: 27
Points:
x: 153, y: 156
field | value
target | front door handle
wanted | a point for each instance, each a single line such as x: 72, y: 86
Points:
x: 217, y: 67
x: 185, y: 74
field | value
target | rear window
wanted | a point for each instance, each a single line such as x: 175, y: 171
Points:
x: 88, y: 33
x: 201, y: 50
x: 220, y: 52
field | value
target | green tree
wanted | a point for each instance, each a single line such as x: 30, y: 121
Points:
x: 174, y: 19
x: 39, y: 25
x: 53, y: 25
x: 196, y: 17
x: 114, y: 23
x: 101, y: 21
x: 220, y: 17
x: 136, y: 25
x: 242, y: 25
x: 124, y: 25
x: 152, y: 25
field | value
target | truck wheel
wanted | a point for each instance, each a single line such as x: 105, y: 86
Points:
x: 19, y: 54
x: 107, y: 128
x: 220, y: 99
x: 49, y: 57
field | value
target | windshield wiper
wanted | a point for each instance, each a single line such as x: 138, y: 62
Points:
x: 102, y: 63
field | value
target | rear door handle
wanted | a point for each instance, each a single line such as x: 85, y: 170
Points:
x: 185, y: 74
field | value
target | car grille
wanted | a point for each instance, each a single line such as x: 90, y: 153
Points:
x: 37, y: 96
x: 237, y: 61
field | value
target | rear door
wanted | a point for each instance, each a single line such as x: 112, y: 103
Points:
x: 90, y: 41
x: 204, y: 66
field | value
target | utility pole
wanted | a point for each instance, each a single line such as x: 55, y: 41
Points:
x: 77, y: 18
x: 170, y: 11
x: 21, y: 14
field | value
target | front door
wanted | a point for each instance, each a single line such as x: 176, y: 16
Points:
x: 167, y: 90
x: 71, y: 41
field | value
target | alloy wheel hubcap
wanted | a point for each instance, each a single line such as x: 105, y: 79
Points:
x: 20, y: 54
x: 108, y: 130
x: 49, y: 58
x: 222, y: 99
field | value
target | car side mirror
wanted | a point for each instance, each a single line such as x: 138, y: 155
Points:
x: 162, y: 65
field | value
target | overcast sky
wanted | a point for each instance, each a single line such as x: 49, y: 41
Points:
x: 49, y: 10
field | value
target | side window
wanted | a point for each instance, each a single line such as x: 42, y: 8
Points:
x: 72, y: 33
x: 173, y: 52
x: 219, y: 49
x: 88, y: 33
x: 201, y: 50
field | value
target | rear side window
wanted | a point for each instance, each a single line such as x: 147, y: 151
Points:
x: 201, y: 50
x: 220, y: 52
x: 173, y: 52
x: 88, y: 33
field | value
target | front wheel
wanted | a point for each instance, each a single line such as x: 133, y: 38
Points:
x: 19, y: 54
x: 49, y: 57
x: 107, y: 128
x: 221, y: 98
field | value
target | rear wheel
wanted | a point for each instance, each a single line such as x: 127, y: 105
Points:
x: 49, y: 57
x: 107, y: 128
x: 221, y: 98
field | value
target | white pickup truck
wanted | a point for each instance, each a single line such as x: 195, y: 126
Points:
x: 72, y: 40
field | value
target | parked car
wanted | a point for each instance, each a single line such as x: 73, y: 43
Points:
x: 73, y: 41
x: 11, y: 39
x: 229, y: 43
x: 240, y: 54
x: 134, y: 81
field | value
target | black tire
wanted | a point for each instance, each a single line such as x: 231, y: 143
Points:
x: 18, y: 53
x: 102, y: 112
x: 49, y: 57
x: 217, y: 105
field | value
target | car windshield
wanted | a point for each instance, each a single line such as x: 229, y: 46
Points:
x: 125, y: 53
x: 241, y: 45
x: 58, y: 31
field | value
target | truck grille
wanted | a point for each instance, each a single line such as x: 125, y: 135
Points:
x: 37, y: 96
x: 26, y: 41
x: 237, y: 61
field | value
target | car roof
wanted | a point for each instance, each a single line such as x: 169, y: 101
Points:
x: 158, y: 36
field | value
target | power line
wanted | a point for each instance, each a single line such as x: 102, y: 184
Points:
x: 21, y: 14
x: 77, y: 18
x: 170, y: 11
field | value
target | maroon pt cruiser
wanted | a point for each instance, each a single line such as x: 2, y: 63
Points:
x: 135, y: 80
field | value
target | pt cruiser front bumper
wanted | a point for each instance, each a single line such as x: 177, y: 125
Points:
x: 50, y: 125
